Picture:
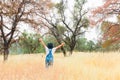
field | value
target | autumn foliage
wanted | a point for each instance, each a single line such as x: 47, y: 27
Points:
x: 111, y: 30
x: 15, y: 13
x: 111, y: 33
x: 104, y: 11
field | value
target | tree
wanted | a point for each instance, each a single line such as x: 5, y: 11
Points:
x: 111, y: 31
x: 91, y: 46
x: 84, y: 45
x: 81, y: 44
x: 13, y: 13
x: 29, y: 42
x: 1, y: 44
x: 109, y: 8
x: 55, y: 32
x: 70, y: 25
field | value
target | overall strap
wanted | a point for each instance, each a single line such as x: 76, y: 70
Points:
x: 50, y: 51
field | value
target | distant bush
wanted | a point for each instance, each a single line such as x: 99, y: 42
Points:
x: 84, y: 45
x: 28, y: 43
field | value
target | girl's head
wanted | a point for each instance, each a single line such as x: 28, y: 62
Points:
x: 50, y: 45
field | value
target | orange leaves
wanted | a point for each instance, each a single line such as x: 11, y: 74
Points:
x: 111, y: 30
x: 111, y: 33
x: 109, y: 42
x: 102, y: 9
x: 98, y: 10
x: 115, y: 29
x: 109, y: 8
x: 108, y: 2
x: 9, y: 8
x: 106, y: 43
x: 50, y: 5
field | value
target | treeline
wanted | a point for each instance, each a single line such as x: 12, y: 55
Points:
x: 28, y: 43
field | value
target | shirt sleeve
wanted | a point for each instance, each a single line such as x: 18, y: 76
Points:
x: 53, y: 50
x: 46, y: 50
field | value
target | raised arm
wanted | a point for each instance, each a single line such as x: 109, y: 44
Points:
x: 62, y: 44
x: 40, y: 40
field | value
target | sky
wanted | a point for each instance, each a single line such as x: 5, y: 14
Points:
x: 89, y: 4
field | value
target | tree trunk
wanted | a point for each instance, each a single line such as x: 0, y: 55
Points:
x: 6, y: 52
x: 71, y: 51
x: 62, y: 48
x: 64, y: 52
x: 72, y: 46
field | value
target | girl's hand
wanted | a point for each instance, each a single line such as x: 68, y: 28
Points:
x: 63, y: 44
x: 40, y: 39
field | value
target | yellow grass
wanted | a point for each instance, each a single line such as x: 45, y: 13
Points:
x: 80, y: 66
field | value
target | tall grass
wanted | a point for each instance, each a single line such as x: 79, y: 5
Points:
x: 79, y: 66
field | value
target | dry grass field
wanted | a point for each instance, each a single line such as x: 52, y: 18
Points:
x: 79, y: 66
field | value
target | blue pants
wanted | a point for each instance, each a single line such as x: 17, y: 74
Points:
x: 49, y: 61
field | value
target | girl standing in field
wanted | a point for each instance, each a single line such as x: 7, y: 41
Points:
x: 50, y: 50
